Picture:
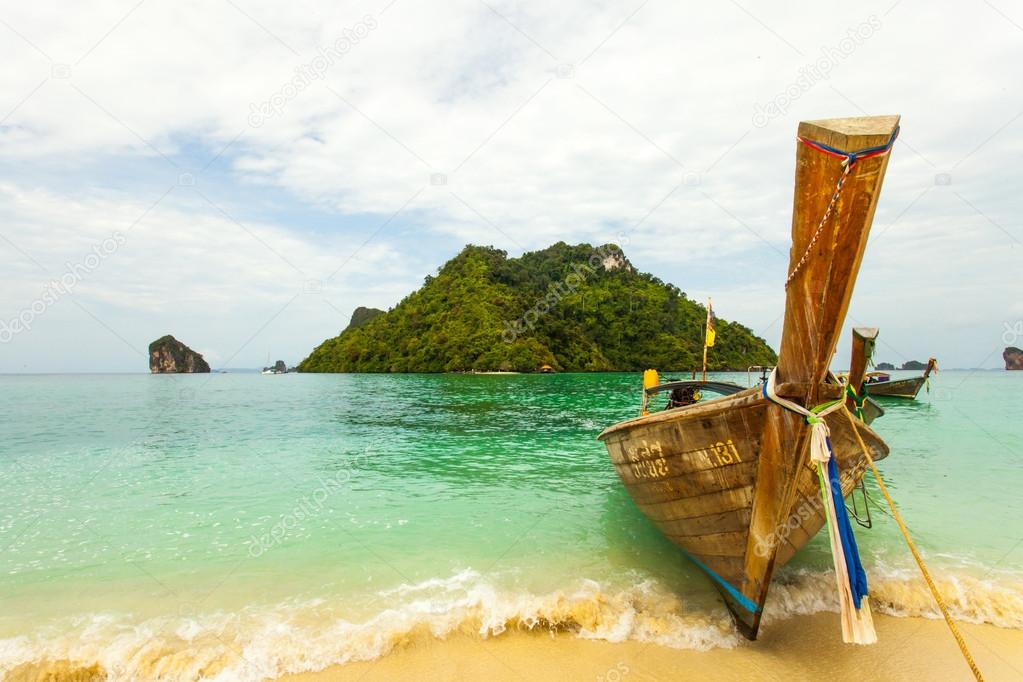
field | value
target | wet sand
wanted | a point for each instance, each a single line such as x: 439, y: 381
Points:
x: 805, y: 647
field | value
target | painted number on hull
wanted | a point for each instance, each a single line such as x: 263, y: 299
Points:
x: 642, y: 466
x: 647, y: 461
x: 723, y: 453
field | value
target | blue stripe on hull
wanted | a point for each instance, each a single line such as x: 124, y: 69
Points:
x: 738, y: 596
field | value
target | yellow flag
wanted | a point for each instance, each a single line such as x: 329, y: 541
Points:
x: 711, y: 334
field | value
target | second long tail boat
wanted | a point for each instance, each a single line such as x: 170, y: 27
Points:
x: 882, y: 384
x: 736, y: 482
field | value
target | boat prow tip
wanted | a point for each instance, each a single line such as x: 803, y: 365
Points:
x: 853, y: 126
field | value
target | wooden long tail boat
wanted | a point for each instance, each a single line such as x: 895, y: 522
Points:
x: 730, y: 481
x: 881, y: 383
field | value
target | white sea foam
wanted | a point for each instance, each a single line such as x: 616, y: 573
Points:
x: 264, y: 642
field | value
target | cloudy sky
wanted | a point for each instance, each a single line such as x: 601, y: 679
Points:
x: 244, y: 173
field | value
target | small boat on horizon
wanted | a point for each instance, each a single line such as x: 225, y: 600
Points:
x: 742, y: 481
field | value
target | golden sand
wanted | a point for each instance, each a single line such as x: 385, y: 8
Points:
x: 800, y: 648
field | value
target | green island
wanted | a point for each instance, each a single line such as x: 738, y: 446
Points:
x: 574, y: 308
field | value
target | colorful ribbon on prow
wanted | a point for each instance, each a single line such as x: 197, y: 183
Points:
x: 858, y: 400
x: 850, y: 578
x: 932, y: 366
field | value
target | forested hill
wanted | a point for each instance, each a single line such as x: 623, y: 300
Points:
x: 576, y: 308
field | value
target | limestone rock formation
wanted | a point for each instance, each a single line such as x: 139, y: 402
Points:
x: 362, y: 315
x: 167, y: 355
x: 1013, y: 358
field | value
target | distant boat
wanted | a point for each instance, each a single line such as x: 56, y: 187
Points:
x: 882, y: 384
x: 730, y: 480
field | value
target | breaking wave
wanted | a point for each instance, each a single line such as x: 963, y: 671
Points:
x: 266, y: 642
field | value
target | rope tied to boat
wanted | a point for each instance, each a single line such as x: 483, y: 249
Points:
x: 850, y: 578
x: 849, y: 159
x: 942, y: 606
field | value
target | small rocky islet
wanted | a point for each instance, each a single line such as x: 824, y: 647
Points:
x: 167, y: 355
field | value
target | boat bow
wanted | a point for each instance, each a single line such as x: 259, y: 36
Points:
x: 730, y: 480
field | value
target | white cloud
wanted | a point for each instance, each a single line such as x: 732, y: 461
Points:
x: 478, y: 92
x: 181, y: 266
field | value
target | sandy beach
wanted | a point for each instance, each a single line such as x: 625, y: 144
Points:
x: 806, y: 647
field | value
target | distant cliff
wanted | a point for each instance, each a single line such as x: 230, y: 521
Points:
x: 167, y: 355
x: 1013, y: 358
x: 363, y: 315
x: 576, y: 308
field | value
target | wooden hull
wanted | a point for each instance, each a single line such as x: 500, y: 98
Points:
x: 694, y: 472
x: 896, y: 388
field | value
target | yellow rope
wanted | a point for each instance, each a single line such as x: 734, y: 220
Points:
x: 916, y: 554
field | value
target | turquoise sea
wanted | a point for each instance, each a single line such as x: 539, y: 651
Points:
x: 239, y: 526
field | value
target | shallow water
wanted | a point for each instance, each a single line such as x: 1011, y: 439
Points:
x: 240, y: 525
